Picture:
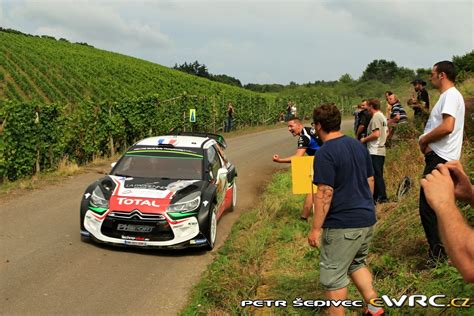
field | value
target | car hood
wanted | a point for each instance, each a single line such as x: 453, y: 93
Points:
x: 150, y: 195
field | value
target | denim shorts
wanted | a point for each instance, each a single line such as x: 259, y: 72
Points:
x: 343, y: 251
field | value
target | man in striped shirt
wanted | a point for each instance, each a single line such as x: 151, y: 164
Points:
x: 398, y: 114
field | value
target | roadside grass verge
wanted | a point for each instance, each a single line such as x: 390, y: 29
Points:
x: 267, y: 255
x: 66, y: 169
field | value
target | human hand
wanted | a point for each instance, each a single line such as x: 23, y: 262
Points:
x: 423, y: 145
x: 462, y: 184
x: 314, y: 238
x: 276, y: 158
x: 439, y: 189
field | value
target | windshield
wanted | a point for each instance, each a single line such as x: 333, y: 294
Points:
x: 160, y: 163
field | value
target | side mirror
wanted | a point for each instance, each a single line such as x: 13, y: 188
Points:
x: 113, y: 164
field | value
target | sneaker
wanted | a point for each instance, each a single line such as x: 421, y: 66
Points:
x: 369, y: 313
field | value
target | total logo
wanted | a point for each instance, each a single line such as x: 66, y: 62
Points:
x: 144, y: 205
x: 136, y: 202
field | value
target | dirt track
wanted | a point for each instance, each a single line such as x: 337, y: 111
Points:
x: 46, y: 269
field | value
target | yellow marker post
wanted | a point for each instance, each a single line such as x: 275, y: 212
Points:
x: 192, y: 115
x: 302, y: 176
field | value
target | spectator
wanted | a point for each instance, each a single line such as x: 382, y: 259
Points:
x: 441, y: 186
x: 294, y: 111
x: 308, y: 143
x: 344, y: 215
x: 230, y: 116
x: 356, y: 117
x: 364, y: 119
x: 281, y: 118
x: 397, y: 114
x: 288, y: 111
x: 378, y: 131
x: 441, y: 142
x: 421, y: 101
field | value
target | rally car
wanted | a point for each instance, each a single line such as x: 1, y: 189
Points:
x: 165, y: 191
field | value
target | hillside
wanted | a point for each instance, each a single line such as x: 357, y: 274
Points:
x: 47, y: 70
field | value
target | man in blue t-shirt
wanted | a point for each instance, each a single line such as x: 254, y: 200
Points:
x: 344, y: 212
x: 308, y: 143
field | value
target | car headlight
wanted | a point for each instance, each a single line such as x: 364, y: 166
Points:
x: 98, y: 199
x: 187, y: 206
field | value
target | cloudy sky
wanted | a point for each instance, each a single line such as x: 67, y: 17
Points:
x: 259, y: 41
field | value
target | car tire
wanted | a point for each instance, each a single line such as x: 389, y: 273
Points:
x: 234, y: 195
x: 212, y: 233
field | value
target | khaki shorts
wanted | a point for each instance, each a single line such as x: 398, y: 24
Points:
x: 343, y: 251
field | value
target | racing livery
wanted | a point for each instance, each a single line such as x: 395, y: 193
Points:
x: 165, y: 191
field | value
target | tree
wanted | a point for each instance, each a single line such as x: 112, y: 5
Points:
x: 381, y: 70
x: 194, y: 68
x: 226, y: 79
x: 464, y: 66
x: 385, y: 71
x: 346, y: 78
x: 274, y: 87
x: 465, y: 62
x: 423, y: 73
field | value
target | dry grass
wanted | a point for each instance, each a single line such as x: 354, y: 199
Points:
x: 66, y: 169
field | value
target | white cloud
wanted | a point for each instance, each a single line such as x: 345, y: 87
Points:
x: 413, y: 22
x: 92, y: 22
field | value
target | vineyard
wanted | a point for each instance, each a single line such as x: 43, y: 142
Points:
x: 62, y: 100
x: 48, y: 70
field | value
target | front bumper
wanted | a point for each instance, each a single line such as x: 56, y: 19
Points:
x: 180, y: 234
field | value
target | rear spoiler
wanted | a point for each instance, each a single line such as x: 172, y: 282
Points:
x: 218, y: 138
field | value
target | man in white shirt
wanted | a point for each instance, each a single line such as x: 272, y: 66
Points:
x: 441, y: 142
x: 377, y: 136
x: 293, y: 110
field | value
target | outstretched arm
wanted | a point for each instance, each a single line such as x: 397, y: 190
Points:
x: 299, y: 153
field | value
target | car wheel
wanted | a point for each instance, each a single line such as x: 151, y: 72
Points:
x: 212, y: 227
x: 234, y: 195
